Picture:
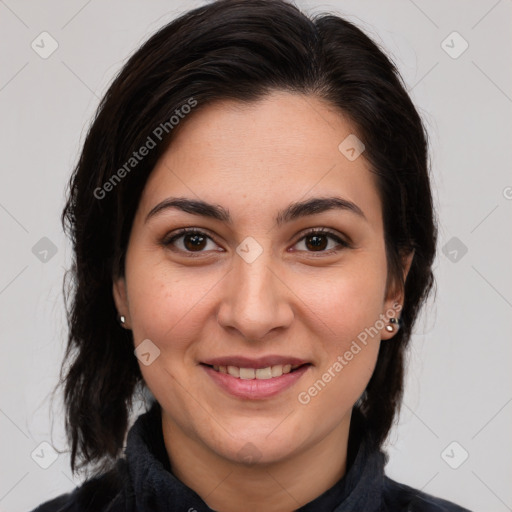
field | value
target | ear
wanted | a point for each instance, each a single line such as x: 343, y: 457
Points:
x: 395, y: 296
x: 121, y: 299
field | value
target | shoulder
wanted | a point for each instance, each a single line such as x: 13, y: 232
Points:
x: 102, y: 493
x: 401, y: 497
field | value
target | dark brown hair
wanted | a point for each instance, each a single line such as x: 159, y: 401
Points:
x: 242, y: 50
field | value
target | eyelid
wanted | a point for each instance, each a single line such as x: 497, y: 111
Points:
x: 170, y: 237
x: 334, y: 235
x: 322, y: 231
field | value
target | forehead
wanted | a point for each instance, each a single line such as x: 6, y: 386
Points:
x: 280, y: 149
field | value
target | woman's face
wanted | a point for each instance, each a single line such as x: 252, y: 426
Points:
x: 253, y: 283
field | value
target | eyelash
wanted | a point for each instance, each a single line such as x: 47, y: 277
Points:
x: 169, y: 240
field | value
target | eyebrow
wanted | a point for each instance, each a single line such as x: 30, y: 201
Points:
x: 292, y: 212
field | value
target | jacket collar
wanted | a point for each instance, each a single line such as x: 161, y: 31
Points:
x: 155, y: 488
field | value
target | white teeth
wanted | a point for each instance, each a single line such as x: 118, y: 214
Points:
x: 277, y: 370
x: 260, y: 373
x: 234, y: 371
x: 247, y: 373
x: 264, y: 373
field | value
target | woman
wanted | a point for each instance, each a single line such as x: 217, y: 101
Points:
x: 254, y: 234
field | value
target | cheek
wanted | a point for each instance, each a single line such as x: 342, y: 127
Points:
x: 344, y: 310
x: 168, y: 305
x: 347, y: 313
x: 168, y: 310
x: 347, y: 300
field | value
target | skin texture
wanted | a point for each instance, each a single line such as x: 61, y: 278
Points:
x: 254, y: 160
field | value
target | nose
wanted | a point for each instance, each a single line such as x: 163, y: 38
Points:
x: 255, y: 299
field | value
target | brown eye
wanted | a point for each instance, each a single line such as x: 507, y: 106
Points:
x: 322, y: 241
x: 316, y: 242
x: 194, y: 242
x: 190, y: 241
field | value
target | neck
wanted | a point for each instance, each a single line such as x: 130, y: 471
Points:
x: 280, y: 486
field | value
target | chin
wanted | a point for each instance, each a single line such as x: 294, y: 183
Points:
x: 254, y: 449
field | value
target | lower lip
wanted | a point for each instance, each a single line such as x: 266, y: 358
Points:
x: 255, y: 389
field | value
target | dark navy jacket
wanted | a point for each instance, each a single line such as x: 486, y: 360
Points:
x: 142, y: 481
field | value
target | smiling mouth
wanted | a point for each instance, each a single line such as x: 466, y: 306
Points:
x: 269, y: 372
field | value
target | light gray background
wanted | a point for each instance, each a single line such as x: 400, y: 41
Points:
x: 459, y: 381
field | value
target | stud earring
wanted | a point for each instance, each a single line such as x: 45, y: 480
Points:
x: 122, y: 320
x: 392, y: 323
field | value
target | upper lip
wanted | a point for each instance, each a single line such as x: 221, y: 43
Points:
x: 260, y: 362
